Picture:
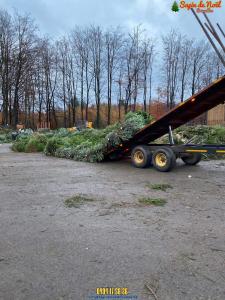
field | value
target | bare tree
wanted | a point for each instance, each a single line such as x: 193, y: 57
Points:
x: 96, y: 37
x: 172, y: 48
x: 133, y: 60
x: 148, y: 52
x: 198, y: 63
x: 25, y: 33
x: 113, y: 44
x: 185, y: 63
x: 6, y: 41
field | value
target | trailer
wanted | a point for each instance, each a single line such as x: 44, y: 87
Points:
x: 144, y: 152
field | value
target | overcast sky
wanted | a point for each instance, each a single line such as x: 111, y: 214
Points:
x: 56, y: 17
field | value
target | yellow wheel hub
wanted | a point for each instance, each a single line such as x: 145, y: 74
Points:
x: 161, y: 159
x: 139, y: 157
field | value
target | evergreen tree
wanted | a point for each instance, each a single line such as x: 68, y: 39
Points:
x: 175, y: 7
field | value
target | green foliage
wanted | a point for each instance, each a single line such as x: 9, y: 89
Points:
x: 24, y: 133
x: 2, y: 138
x: 30, y: 143
x: 34, y: 145
x: 5, y: 138
x: 5, y: 135
x: 44, y: 130
x: 146, y: 116
x: 62, y: 132
x: 90, y: 145
x: 20, y: 144
x: 41, y: 138
x: 64, y: 153
x: 5, y: 130
x: 200, y: 134
x: 87, y: 152
x: 49, y: 134
x: 52, y: 145
x: 133, y: 122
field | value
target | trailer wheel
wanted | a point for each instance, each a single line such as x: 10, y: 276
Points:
x: 192, y: 159
x: 164, y: 159
x: 141, y: 157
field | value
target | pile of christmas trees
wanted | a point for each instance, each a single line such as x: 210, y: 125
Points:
x: 89, y: 145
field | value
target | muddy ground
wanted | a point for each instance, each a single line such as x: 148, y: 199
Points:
x: 50, y: 251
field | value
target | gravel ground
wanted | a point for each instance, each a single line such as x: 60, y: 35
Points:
x: 50, y: 251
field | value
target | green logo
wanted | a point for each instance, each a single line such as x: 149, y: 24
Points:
x: 175, y: 7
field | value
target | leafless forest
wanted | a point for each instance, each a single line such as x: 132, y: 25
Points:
x: 93, y: 66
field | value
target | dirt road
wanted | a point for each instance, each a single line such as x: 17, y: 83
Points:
x: 50, y: 251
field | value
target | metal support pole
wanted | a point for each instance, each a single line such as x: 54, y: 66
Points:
x: 171, y: 136
x: 208, y: 36
x: 221, y: 30
x: 213, y: 31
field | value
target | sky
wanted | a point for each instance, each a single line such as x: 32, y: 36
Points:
x: 56, y: 17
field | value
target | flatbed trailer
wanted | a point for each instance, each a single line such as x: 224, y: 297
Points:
x: 163, y: 156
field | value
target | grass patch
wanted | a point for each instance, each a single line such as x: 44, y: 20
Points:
x: 160, y: 187
x: 152, y: 201
x: 77, y: 201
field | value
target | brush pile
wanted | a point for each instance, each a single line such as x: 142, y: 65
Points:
x: 89, y: 145
x: 200, y: 134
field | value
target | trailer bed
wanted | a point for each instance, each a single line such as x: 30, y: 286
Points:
x: 184, y: 112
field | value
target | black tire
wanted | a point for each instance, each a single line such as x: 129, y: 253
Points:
x: 141, y: 157
x: 192, y: 159
x: 164, y: 159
